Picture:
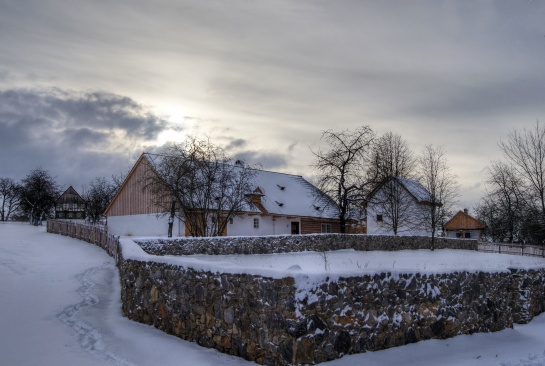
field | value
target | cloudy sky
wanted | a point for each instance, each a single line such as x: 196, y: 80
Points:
x: 87, y: 85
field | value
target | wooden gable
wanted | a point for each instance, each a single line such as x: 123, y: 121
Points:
x: 463, y: 221
x: 131, y: 198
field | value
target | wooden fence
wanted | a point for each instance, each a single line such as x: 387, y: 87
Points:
x: 92, y: 234
x: 515, y: 249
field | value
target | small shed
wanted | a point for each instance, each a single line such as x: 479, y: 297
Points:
x: 462, y: 225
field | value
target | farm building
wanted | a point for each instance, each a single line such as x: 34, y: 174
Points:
x: 70, y: 205
x: 278, y: 204
x: 463, y: 225
x: 398, y: 203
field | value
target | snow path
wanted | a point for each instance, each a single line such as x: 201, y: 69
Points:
x: 89, y: 337
x: 59, y: 305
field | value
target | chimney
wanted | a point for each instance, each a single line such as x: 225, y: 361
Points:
x: 466, y: 211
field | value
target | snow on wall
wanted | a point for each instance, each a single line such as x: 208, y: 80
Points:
x: 298, y: 319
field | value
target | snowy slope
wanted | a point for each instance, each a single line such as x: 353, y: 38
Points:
x: 59, y: 305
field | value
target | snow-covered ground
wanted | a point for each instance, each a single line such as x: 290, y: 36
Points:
x: 59, y: 305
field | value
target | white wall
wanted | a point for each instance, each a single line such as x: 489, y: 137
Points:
x: 378, y: 228
x: 475, y: 234
x: 143, y: 225
x: 244, y: 226
x: 152, y: 225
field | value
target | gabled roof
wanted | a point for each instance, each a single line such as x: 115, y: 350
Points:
x: 417, y: 190
x: 70, y: 196
x: 463, y: 221
x: 413, y: 187
x: 292, y: 195
x: 280, y: 194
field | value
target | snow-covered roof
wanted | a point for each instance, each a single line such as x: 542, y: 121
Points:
x: 287, y: 195
x: 413, y: 187
x: 283, y: 194
x: 416, y: 189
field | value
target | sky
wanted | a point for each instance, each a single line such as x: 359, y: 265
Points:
x: 87, y: 86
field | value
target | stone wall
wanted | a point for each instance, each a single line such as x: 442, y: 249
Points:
x: 297, y: 243
x: 289, y: 321
x: 295, y: 321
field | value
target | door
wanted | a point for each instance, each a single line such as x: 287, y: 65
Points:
x: 294, y: 227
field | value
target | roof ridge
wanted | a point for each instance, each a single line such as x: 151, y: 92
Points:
x: 234, y: 165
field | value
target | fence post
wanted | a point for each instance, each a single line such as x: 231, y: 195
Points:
x: 91, y: 234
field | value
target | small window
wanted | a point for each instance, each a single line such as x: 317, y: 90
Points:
x: 379, y: 217
x: 231, y: 221
x: 326, y: 228
x: 468, y: 235
x: 458, y: 235
x: 256, y: 223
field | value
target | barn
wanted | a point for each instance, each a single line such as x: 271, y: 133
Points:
x: 278, y: 204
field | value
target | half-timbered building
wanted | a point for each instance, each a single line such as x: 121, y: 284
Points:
x: 70, y: 205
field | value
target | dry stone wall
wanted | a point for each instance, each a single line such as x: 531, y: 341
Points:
x: 290, y: 321
x: 297, y: 243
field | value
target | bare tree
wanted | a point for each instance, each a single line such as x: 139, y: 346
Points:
x: 342, y: 166
x: 97, y: 197
x: 38, y: 194
x: 504, y: 205
x: 9, y: 194
x: 392, y: 160
x: 392, y: 157
x: 196, y: 182
x: 525, y: 151
x: 442, y: 187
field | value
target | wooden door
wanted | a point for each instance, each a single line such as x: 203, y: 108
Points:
x: 294, y: 227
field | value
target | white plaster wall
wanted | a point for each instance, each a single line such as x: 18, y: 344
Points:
x: 475, y: 234
x: 378, y: 228
x: 244, y: 226
x: 143, y: 225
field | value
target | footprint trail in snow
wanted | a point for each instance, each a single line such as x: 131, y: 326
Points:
x: 89, y: 338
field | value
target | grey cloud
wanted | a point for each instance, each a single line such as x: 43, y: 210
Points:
x: 486, y: 99
x: 236, y: 144
x: 266, y: 160
x: 292, y: 146
x: 72, y: 134
x: 95, y: 110
x: 84, y: 137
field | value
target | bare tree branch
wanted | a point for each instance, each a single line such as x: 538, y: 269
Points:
x: 442, y: 186
x: 342, y: 166
x: 207, y: 189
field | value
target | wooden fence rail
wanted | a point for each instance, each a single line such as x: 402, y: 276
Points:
x: 92, y: 234
x: 515, y: 249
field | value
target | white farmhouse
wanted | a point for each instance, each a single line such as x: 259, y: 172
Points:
x: 396, y: 207
x: 279, y: 204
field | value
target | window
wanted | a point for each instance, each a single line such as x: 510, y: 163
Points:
x: 326, y: 228
x: 379, y: 217
x: 256, y: 223
x: 458, y: 235
x: 468, y: 235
